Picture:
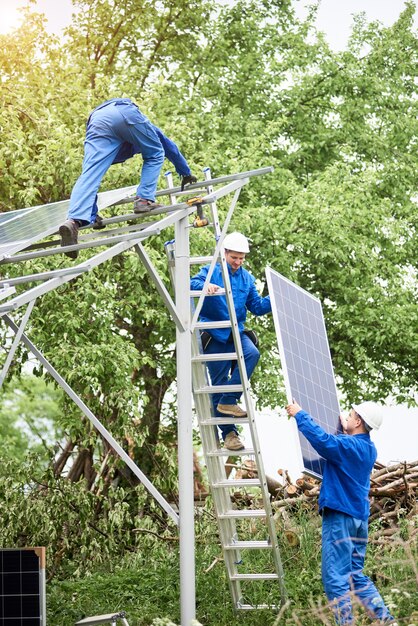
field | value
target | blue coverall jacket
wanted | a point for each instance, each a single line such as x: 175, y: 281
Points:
x: 344, y: 504
x: 215, y: 308
x: 245, y: 295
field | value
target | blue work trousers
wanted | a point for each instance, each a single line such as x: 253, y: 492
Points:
x: 220, y: 373
x: 344, y: 542
x: 107, y: 130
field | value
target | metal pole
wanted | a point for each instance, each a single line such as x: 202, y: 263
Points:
x: 15, y: 343
x: 185, y: 423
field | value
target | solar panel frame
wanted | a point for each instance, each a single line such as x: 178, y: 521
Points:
x: 19, y: 229
x: 22, y: 587
x: 306, y: 361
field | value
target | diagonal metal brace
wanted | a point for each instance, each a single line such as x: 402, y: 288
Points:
x: 96, y: 423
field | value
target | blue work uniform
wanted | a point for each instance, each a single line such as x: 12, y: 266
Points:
x: 215, y: 308
x: 116, y: 131
x: 344, y: 505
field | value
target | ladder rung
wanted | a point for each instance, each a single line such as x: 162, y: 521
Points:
x: 217, y: 356
x: 220, y: 389
x: 195, y: 293
x: 236, y: 482
x: 254, y: 545
x: 217, y: 324
x: 237, y: 513
x: 226, y: 452
x: 223, y: 421
x: 253, y: 576
x: 200, y: 260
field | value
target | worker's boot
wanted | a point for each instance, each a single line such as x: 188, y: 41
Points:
x: 142, y: 205
x: 69, y: 236
x: 231, y: 409
x: 98, y: 222
x: 233, y: 442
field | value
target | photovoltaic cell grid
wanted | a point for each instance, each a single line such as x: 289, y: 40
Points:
x: 20, y: 594
x: 306, y: 359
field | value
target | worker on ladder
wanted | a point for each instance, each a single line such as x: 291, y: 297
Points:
x: 220, y: 340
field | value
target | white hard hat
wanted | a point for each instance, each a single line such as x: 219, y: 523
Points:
x: 371, y: 413
x: 236, y: 242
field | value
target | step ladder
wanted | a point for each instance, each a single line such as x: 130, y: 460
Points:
x: 247, y: 532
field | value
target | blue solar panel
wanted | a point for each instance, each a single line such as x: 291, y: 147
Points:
x: 306, y: 359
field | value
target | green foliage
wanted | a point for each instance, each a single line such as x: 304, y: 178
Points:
x: 145, y: 584
x: 29, y: 417
x: 238, y: 86
x: 81, y: 529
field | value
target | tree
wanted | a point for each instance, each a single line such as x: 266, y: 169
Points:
x: 239, y: 86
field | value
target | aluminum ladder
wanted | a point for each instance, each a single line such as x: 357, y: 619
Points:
x: 248, y: 534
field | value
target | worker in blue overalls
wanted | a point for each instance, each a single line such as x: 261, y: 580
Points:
x: 344, y: 506
x: 116, y: 130
x: 220, y: 340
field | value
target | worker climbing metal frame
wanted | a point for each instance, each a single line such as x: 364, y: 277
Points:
x: 116, y: 241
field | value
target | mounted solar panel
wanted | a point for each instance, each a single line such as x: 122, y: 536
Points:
x: 22, y: 593
x: 19, y: 229
x: 306, y: 360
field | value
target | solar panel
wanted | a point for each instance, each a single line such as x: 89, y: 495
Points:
x: 306, y: 360
x: 22, y: 593
x: 19, y: 229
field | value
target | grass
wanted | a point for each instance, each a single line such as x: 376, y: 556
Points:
x: 146, y: 584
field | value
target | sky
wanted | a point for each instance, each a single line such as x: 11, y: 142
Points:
x: 335, y: 17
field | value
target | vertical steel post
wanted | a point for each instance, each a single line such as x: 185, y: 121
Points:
x: 184, y: 421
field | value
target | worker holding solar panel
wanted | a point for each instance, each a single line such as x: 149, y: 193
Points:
x: 344, y: 506
x: 220, y: 340
x: 116, y: 131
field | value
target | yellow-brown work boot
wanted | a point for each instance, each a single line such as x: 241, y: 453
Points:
x: 231, y: 409
x: 233, y: 442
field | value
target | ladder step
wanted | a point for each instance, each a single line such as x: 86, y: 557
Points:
x: 225, y: 452
x: 255, y: 545
x: 217, y: 324
x: 238, y: 513
x: 219, y: 389
x: 223, y: 421
x: 237, y: 482
x: 217, y: 356
x: 200, y: 260
x: 254, y: 576
x: 196, y: 293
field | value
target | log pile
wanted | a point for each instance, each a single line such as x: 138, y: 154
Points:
x: 393, y: 498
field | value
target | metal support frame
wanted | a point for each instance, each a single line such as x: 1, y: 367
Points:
x: 96, y: 423
x: 177, y: 215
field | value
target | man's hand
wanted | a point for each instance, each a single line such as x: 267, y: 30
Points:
x: 186, y: 180
x: 343, y: 422
x: 211, y: 289
x: 294, y: 408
